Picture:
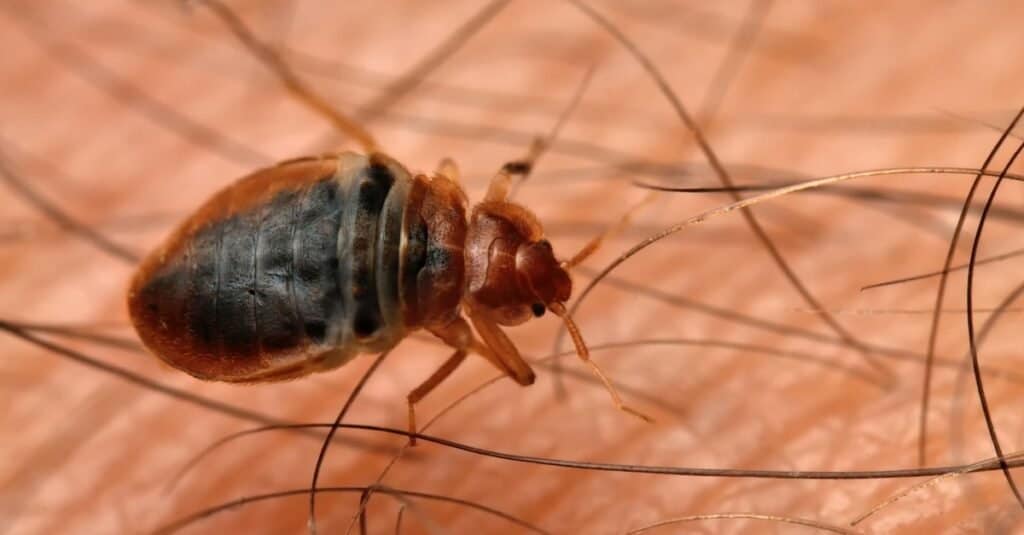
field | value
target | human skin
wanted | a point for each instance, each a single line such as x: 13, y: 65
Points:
x: 827, y: 88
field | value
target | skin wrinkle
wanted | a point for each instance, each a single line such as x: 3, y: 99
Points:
x: 863, y: 98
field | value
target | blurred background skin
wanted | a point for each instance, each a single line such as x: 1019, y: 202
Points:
x: 128, y: 114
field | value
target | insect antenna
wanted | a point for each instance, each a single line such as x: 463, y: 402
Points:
x: 581, y: 350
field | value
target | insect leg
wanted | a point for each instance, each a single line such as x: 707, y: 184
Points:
x: 427, y: 386
x: 459, y: 335
x: 448, y: 168
x: 501, y: 184
x: 272, y: 61
x: 502, y: 181
x: 503, y: 348
x: 501, y: 188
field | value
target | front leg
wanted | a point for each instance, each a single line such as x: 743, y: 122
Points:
x: 459, y: 336
x: 503, y: 350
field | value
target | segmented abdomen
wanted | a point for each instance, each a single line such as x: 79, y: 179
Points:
x: 288, y: 271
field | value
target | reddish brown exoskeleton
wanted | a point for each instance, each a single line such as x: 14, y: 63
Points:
x: 299, y: 267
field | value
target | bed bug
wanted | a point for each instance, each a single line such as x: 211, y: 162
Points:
x: 299, y: 267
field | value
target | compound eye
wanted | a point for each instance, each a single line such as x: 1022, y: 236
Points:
x: 538, y: 309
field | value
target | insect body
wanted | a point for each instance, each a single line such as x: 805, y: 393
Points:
x: 291, y: 270
x: 299, y: 267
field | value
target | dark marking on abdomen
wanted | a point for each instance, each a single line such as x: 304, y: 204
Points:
x: 260, y: 280
x: 278, y: 270
x: 236, y: 257
x: 370, y: 191
x: 278, y: 320
x: 317, y: 288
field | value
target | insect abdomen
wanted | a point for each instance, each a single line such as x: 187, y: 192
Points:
x: 276, y: 276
